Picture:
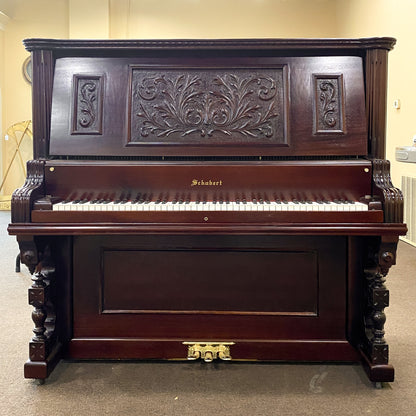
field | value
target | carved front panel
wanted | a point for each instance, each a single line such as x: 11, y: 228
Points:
x: 194, y: 105
x: 329, y: 105
x: 225, y: 105
x: 88, y: 99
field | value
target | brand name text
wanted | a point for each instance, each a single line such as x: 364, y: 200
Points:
x: 209, y: 182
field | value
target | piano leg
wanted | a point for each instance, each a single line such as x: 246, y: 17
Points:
x: 44, y: 347
x: 375, y: 350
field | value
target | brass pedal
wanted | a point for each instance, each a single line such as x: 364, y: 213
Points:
x: 209, y: 351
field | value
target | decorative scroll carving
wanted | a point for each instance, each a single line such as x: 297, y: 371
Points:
x: 329, y: 105
x: 24, y: 197
x: 238, y: 106
x: 382, y: 255
x: 329, y: 108
x: 391, y: 197
x: 88, y: 99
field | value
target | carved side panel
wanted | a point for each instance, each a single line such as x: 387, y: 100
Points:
x: 391, y: 197
x: 225, y: 105
x: 88, y: 104
x: 329, y: 106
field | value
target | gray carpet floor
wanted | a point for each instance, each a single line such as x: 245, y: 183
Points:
x: 171, y: 388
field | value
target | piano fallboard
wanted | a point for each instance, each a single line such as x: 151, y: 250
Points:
x: 304, y: 179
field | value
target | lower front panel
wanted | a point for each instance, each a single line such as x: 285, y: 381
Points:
x: 273, y: 297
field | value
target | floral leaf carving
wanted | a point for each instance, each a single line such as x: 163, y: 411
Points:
x: 199, y: 104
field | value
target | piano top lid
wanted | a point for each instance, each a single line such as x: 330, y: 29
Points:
x: 211, y: 44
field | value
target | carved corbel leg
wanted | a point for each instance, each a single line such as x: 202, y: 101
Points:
x: 382, y: 255
x: 44, y: 346
x: 29, y: 252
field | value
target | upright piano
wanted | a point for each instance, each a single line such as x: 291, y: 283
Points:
x: 209, y: 199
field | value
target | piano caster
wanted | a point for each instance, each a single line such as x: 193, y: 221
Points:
x: 209, y: 351
x: 378, y: 385
x: 40, y: 381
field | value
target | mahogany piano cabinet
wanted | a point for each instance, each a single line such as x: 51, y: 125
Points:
x: 209, y: 199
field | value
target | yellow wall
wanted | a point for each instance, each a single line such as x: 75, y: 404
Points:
x: 224, y: 18
x: 360, y: 18
x: 31, y: 18
x: 88, y: 19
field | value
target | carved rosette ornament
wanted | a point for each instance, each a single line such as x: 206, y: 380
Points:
x: 238, y: 106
